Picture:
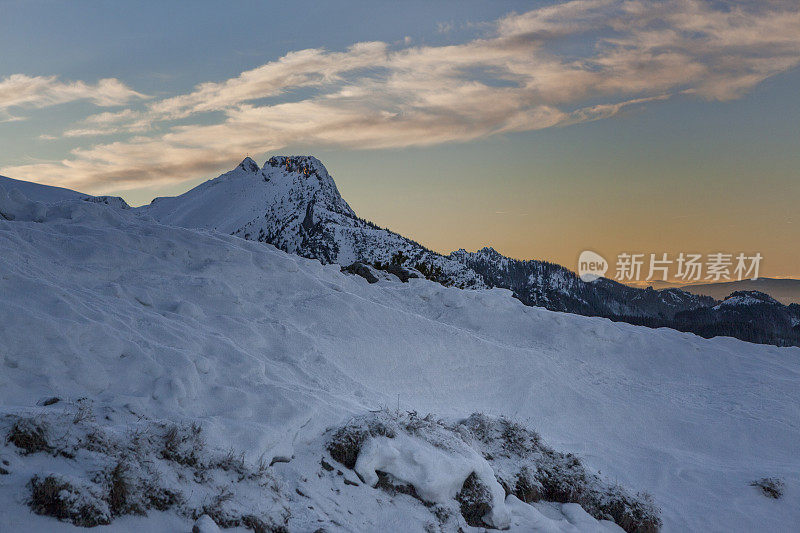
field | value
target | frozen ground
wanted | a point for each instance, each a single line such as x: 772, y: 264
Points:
x: 156, y: 325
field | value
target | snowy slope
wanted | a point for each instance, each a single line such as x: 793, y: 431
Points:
x: 266, y: 350
x: 47, y: 193
x: 36, y: 191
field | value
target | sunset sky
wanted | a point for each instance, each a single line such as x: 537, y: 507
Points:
x: 539, y: 128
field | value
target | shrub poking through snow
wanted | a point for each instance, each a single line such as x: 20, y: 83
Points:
x: 477, y: 462
x: 475, y: 501
x: 771, y: 487
x: 80, y: 504
x: 534, y: 472
x: 119, y: 491
x: 183, y: 444
x: 424, y: 453
x: 158, y: 466
x: 30, y: 436
x: 347, y: 441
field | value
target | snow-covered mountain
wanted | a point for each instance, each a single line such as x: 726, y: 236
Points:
x: 557, y: 288
x: 748, y: 315
x: 294, y: 204
x: 154, y: 376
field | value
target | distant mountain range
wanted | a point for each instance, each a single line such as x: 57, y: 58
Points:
x: 784, y: 290
x: 557, y: 288
x: 293, y: 203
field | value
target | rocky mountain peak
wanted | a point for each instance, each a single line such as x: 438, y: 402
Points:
x: 249, y: 165
x: 749, y: 298
x: 301, y: 164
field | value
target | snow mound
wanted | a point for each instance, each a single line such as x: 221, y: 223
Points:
x: 39, y: 192
x: 437, y: 475
x: 478, y: 461
x: 15, y: 205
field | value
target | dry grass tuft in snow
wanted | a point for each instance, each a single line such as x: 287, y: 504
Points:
x: 535, y: 472
x: 771, y: 487
x: 93, y: 473
x: 29, y: 435
x: 72, y: 501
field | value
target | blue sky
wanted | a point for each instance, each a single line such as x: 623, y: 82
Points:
x: 539, y: 128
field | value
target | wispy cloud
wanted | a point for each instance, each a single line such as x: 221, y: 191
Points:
x: 515, y: 77
x: 444, y: 27
x: 8, y: 117
x: 109, y: 123
x: 19, y: 90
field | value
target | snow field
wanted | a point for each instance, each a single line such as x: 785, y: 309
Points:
x: 266, y: 351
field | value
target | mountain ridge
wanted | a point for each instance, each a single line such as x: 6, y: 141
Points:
x: 302, y: 212
x: 293, y: 203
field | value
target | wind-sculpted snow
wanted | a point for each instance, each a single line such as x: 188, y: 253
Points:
x: 156, y: 325
x: 45, y: 193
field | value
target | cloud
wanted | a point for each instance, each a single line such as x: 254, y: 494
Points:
x: 7, y: 117
x: 43, y: 91
x: 558, y: 65
x: 444, y: 27
x: 109, y: 123
x: 312, y: 67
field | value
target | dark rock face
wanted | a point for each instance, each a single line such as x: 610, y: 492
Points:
x: 360, y: 269
x: 114, y: 201
x: 404, y: 274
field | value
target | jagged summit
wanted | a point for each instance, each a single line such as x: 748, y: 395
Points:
x: 249, y: 165
x: 305, y: 164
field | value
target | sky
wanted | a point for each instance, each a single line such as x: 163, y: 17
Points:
x: 541, y: 129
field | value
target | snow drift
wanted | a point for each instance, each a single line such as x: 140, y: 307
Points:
x: 160, y: 326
